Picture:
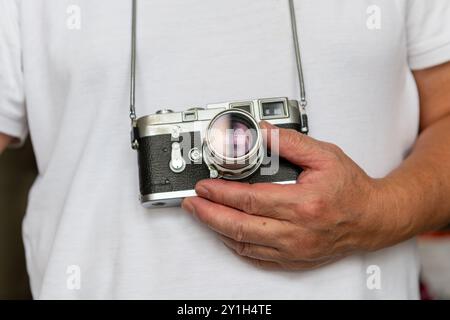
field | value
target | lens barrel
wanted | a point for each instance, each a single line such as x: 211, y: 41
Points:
x: 233, y: 145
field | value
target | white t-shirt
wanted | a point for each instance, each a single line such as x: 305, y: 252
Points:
x: 64, y: 77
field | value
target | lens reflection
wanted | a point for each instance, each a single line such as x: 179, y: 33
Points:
x: 232, y: 135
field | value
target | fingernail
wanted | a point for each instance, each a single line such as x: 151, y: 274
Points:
x: 201, y: 191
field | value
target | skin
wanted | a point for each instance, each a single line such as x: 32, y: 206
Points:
x: 4, y: 141
x: 336, y: 209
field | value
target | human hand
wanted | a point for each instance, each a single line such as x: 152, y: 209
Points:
x: 335, y: 209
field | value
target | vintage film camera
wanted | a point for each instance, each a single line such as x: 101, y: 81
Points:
x: 177, y: 149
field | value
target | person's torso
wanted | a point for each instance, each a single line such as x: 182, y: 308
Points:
x: 84, y: 209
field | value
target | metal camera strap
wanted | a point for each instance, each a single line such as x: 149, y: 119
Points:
x: 303, y: 102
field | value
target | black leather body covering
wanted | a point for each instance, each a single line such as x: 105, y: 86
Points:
x: 155, y: 176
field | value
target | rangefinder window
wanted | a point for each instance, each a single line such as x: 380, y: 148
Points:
x: 273, y: 109
x: 246, y: 106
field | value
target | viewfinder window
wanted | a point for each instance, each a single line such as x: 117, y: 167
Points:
x: 274, y: 109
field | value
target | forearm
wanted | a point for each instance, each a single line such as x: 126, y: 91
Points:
x: 4, y: 141
x: 419, y: 190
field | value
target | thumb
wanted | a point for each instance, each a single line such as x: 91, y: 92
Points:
x: 294, y: 146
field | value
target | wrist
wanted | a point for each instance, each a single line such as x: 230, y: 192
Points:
x: 391, y: 212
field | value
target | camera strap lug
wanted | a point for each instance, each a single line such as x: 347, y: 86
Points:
x: 304, y: 129
x: 304, y: 118
x: 134, y: 135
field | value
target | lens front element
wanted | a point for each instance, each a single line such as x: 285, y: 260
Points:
x: 233, y: 144
x: 232, y: 135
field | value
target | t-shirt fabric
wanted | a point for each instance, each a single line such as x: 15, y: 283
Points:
x: 64, y: 79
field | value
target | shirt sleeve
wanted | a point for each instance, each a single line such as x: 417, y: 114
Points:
x: 428, y: 33
x: 12, y: 98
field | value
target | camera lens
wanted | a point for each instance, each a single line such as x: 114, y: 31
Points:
x: 232, y: 135
x: 233, y: 144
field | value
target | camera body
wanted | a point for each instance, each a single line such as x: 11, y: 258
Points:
x: 178, y: 149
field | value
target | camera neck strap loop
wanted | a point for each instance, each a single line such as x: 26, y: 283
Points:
x: 298, y: 59
x: 298, y: 56
x: 133, y: 62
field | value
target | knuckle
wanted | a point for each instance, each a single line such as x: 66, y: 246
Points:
x: 250, y: 202
x: 287, y: 254
x: 257, y: 263
x: 293, y: 137
x: 298, y: 209
x: 313, y: 249
x: 312, y: 255
x: 333, y: 152
x: 316, y: 206
x: 239, y: 234
x: 301, y: 248
x: 263, y: 265
x: 289, y: 248
x: 242, y: 249
x: 332, y: 147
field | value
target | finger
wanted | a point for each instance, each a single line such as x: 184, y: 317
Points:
x: 263, y: 199
x: 285, y: 266
x: 261, y: 264
x: 253, y: 250
x: 233, y: 223
x: 293, y: 146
